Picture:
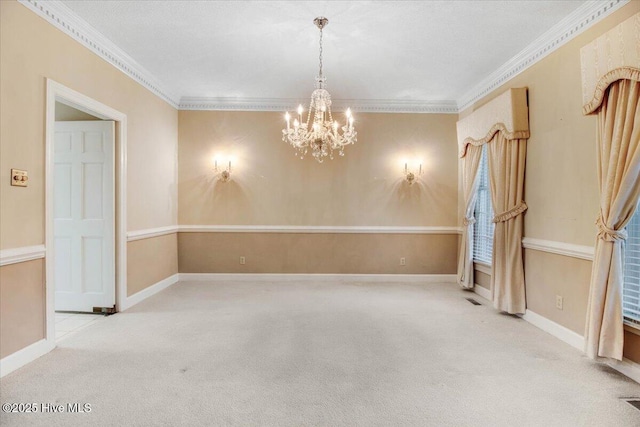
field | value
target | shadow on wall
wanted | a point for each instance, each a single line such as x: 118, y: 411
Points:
x: 229, y: 197
x: 407, y: 199
x: 400, y: 201
x: 394, y: 199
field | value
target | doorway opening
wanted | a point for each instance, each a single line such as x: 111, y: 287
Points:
x: 85, y: 211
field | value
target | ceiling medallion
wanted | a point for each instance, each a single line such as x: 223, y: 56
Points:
x: 320, y: 133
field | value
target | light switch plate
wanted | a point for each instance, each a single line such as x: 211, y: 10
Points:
x: 19, y: 178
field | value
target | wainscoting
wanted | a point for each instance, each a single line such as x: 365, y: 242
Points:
x: 319, y: 253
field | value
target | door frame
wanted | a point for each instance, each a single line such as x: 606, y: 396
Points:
x: 60, y: 93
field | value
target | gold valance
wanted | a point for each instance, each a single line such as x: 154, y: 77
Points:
x: 613, y: 56
x: 508, y: 113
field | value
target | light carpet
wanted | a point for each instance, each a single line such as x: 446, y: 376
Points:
x: 319, y: 353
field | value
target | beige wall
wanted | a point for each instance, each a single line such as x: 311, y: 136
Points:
x: 561, y: 188
x: 31, y: 50
x: 482, y: 279
x: 270, y: 186
x: 548, y: 275
x: 151, y: 260
x: 317, y: 253
x: 632, y: 346
x: 22, y: 319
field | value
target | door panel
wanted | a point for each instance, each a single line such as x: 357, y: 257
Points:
x: 62, y: 201
x: 84, y: 215
x: 63, y: 264
x: 92, y: 200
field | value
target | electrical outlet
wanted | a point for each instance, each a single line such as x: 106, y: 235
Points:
x: 242, y: 260
x: 403, y: 261
x: 19, y: 177
x: 559, y: 302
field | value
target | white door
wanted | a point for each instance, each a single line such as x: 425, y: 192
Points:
x: 84, y: 215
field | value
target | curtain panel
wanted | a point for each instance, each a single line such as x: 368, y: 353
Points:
x: 506, y: 177
x: 611, y: 89
x: 503, y: 123
x: 618, y: 143
x: 470, y: 164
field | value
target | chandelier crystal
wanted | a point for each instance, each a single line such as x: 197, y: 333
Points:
x: 320, y: 133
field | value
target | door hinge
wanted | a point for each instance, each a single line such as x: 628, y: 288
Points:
x: 105, y: 310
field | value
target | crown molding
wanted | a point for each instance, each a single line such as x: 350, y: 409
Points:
x: 397, y: 106
x: 63, y: 18
x: 575, y: 23
x: 283, y: 104
x: 236, y: 104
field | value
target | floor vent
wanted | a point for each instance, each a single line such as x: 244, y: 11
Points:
x: 472, y: 301
x: 635, y: 402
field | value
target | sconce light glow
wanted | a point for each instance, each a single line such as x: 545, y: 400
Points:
x: 222, y: 167
x: 412, y: 170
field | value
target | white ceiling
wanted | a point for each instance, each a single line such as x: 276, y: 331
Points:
x: 373, y: 50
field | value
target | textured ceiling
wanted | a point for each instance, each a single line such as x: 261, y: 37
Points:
x: 373, y: 50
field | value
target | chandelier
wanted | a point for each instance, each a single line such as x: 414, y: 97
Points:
x: 320, y: 133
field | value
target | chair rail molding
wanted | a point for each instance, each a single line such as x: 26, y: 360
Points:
x: 330, y: 229
x: 22, y: 254
x: 560, y: 248
x: 151, y: 232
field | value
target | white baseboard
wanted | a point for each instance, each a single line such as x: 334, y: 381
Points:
x: 424, y: 278
x: 627, y: 367
x: 483, y: 292
x: 24, y: 356
x: 147, y: 292
x: 567, y: 335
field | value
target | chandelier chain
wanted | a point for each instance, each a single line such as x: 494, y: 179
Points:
x: 320, y: 53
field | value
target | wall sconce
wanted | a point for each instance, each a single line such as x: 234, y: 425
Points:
x: 410, y: 175
x: 224, y: 173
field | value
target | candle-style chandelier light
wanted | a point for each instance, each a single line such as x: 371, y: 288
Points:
x: 320, y: 133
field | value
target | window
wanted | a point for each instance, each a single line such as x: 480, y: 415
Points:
x: 483, y: 213
x: 631, y: 287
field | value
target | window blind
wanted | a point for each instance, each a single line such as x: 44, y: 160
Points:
x: 483, y: 213
x: 631, y: 287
